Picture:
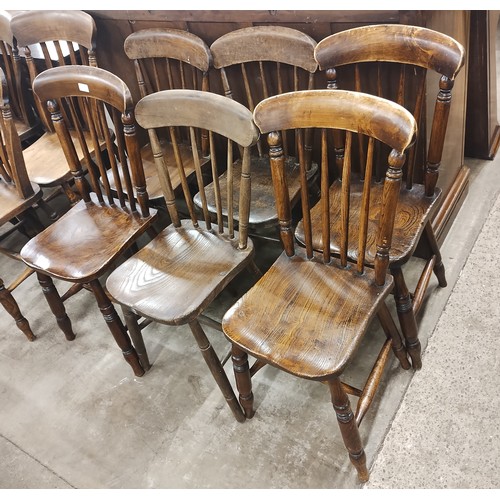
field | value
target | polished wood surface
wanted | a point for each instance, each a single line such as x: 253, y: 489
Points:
x: 309, y: 312
x: 103, y: 230
x: 88, y: 239
x: 168, y: 59
x: 411, y: 51
x: 413, y: 209
x: 315, y: 299
x: 482, y: 137
x: 174, y: 278
x: 17, y: 197
x: 49, y: 39
x: 250, y: 72
x: 114, y: 27
x: 27, y: 124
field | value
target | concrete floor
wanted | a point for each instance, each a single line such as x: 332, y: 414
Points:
x: 74, y: 416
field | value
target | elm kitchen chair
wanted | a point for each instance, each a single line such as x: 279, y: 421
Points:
x: 170, y: 59
x: 392, y: 61
x: 54, y: 38
x: 310, y: 311
x: 255, y: 63
x: 87, y: 240
x: 27, y: 124
x: 18, y: 196
x: 174, y: 278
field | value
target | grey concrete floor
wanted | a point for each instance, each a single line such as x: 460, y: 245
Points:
x: 74, y: 416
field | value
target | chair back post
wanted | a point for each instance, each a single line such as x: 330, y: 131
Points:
x: 9, y: 55
x: 390, y: 195
x: 438, y: 133
x: 12, y: 165
x: 283, y: 206
x: 135, y: 160
x: 59, y: 126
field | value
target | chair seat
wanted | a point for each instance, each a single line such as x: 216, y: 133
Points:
x: 26, y: 131
x: 11, y: 204
x: 262, y: 210
x: 179, y: 273
x: 80, y: 245
x: 45, y: 160
x: 151, y: 173
x: 413, y: 211
x: 305, y: 317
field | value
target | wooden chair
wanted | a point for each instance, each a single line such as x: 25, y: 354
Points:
x: 60, y: 38
x: 173, y: 279
x: 392, y: 61
x: 169, y: 59
x: 255, y: 63
x: 309, y: 312
x: 17, y: 197
x: 28, y: 126
x: 88, y: 239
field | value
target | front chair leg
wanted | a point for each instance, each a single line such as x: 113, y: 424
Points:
x: 348, y: 428
x: 213, y: 362
x: 116, y: 328
x: 10, y: 305
x: 243, y: 379
x: 56, y: 305
x: 407, y: 320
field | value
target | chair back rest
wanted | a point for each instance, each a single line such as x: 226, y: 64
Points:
x: 166, y: 59
x: 11, y: 64
x: 261, y: 61
x: 220, y: 117
x: 350, y: 112
x: 12, y: 166
x: 392, y: 61
x: 105, y: 101
x: 54, y: 38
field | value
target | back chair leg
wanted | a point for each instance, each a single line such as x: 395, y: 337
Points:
x: 10, y: 305
x: 56, y: 305
x: 392, y: 333
x: 243, y: 380
x: 439, y: 270
x: 407, y: 318
x: 348, y: 428
x: 116, y: 328
x: 217, y: 369
x: 135, y: 333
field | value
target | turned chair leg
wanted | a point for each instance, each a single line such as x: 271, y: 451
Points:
x: 348, y: 428
x: 217, y: 369
x: 407, y: 320
x: 439, y: 270
x: 392, y: 333
x: 243, y: 380
x: 134, y: 331
x: 116, y: 328
x: 48, y: 210
x: 56, y: 305
x: 10, y: 305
